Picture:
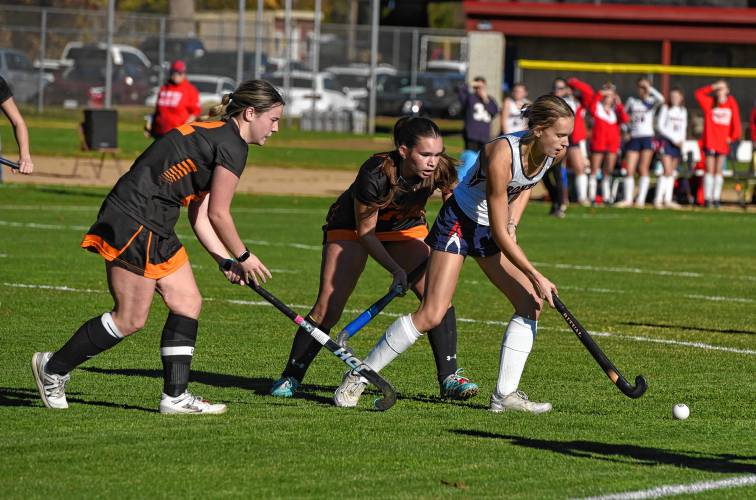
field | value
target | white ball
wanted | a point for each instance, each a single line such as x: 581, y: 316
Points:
x: 680, y: 411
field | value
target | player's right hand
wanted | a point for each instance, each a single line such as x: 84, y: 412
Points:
x: 544, y: 288
x: 25, y: 165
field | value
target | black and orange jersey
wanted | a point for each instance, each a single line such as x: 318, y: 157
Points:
x: 176, y: 169
x: 406, y: 210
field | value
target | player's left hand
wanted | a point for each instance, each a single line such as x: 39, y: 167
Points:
x: 25, y: 165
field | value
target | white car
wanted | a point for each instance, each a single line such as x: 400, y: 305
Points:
x: 328, y: 96
x: 211, y: 89
x: 353, y: 79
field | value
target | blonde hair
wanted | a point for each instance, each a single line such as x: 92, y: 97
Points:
x: 544, y: 112
x: 257, y: 94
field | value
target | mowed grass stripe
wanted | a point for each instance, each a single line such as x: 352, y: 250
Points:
x: 111, y: 442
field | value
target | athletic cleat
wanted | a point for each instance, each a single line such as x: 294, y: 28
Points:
x: 623, y: 204
x: 347, y: 395
x: 458, y: 387
x: 186, y: 403
x: 52, y: 387
x: 517, y: 401
x: 284, y: 387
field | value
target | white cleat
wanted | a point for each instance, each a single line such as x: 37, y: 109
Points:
x: 623, y: 204
x: 517, y: 401
x: 188, y: 404
x: 347, y: 395
x: 52, y: 387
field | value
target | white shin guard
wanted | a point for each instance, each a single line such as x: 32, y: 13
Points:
x: 708, y: 187
x: 629, y: 189
x: 606, y: 189
x: 515, y: 348
x: 397, y: 339
x: 592, y: 188
x: 581, y: 186
x: 643, y: 183
x: 717, y: 191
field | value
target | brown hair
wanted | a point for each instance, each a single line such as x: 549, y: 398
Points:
x: 544, y: 112
x: 407, y: 131
x: 257, y: 94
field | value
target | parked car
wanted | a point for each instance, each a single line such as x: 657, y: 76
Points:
x: 21, y: 76
x: 175, y: 47
x: 84, y: 82
x: 223, y: 63
x: 354, y: 78
x: 328, y: 96
x: 211, y: 89
x: 434, y: 94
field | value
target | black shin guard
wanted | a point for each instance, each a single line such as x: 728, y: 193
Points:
x: 176, y: 350
x: 443, y: 341
x: 303, y: 352
x: 89, y: 340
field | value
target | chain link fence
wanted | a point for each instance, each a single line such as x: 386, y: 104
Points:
x: 57, y: 57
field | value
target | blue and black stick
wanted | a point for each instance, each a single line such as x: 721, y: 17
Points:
x: 371, y: 312
x: 8, y: 163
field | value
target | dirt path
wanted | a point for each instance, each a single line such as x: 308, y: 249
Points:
x: 260, y: 180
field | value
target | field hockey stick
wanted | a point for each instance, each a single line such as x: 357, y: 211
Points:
x: 358, y: 367
x: 611, y: 371
x: 8, y: 163
x: 371, y: 312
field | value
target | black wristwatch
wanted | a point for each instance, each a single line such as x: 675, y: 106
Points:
x: 225, y: 265
x: 243, y: 256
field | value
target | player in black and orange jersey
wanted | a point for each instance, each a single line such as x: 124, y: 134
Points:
x: 382, y: 215
x: 197, y: 165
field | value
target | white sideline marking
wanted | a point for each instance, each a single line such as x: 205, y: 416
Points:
x: 95, y: 208
x: 680, y: 489
x: 718, y: 298
x: 633, y: 270
x: 34, y: 225
x: 695, y: 345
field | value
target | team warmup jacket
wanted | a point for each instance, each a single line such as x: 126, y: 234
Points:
x: 175, y: 103
x: 579, y: 106
x: 721, y: 121
x: 606, y: 125
x: 478, y: 115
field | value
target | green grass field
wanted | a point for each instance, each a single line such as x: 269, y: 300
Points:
x: 670, y: 295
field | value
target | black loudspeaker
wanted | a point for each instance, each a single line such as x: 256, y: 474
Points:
x: 100, y: 128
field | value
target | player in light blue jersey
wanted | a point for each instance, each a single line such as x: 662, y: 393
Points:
x: 480, y: 220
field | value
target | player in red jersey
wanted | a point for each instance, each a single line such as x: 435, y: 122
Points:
x: 196, y: 165
x: 608, y: 114
x: 721, y: 129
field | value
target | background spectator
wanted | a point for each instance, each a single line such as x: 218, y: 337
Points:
x: 177, y: 103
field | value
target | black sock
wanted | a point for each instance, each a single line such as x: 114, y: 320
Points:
x: 303, y: 352
x: 443, y: 341
x: 176, y: 350
x: 89, y: 340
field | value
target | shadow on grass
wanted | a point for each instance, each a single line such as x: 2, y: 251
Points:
x: 626, y: 453
x: 688, y: 328
x: 258, y: 385
x: 14, y: 396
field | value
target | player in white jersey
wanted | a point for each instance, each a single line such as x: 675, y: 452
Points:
x: 480, y: 220
x: 511, y: 112
x: 672, y: 124
x: 639, y: 150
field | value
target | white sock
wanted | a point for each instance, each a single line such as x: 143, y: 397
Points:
x: 515, y: 348
x: 661, y: 190
x: 397, y: 339
x: 642, y: 190
x: 110, y: 326
x: 708, y: 186
x: 717, y: 192
x: 629, y: 189
x: 581, y: 186
x: 592, y: 188
x: 670, y: 189
x: 606, y: 188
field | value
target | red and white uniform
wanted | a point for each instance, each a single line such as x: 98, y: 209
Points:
x: 721, y: 121
x: 606, y: 126
x: 175, y: 103
x: 579, y: 132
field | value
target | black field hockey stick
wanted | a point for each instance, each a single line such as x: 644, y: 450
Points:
x: 611, y: 371
x: 371, y: 312
x: 8, y: 163
x: 358, y: 367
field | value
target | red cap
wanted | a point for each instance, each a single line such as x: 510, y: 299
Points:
x: 178, y: 66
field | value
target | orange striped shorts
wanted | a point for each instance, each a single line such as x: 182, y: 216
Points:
x: 129, y: 244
